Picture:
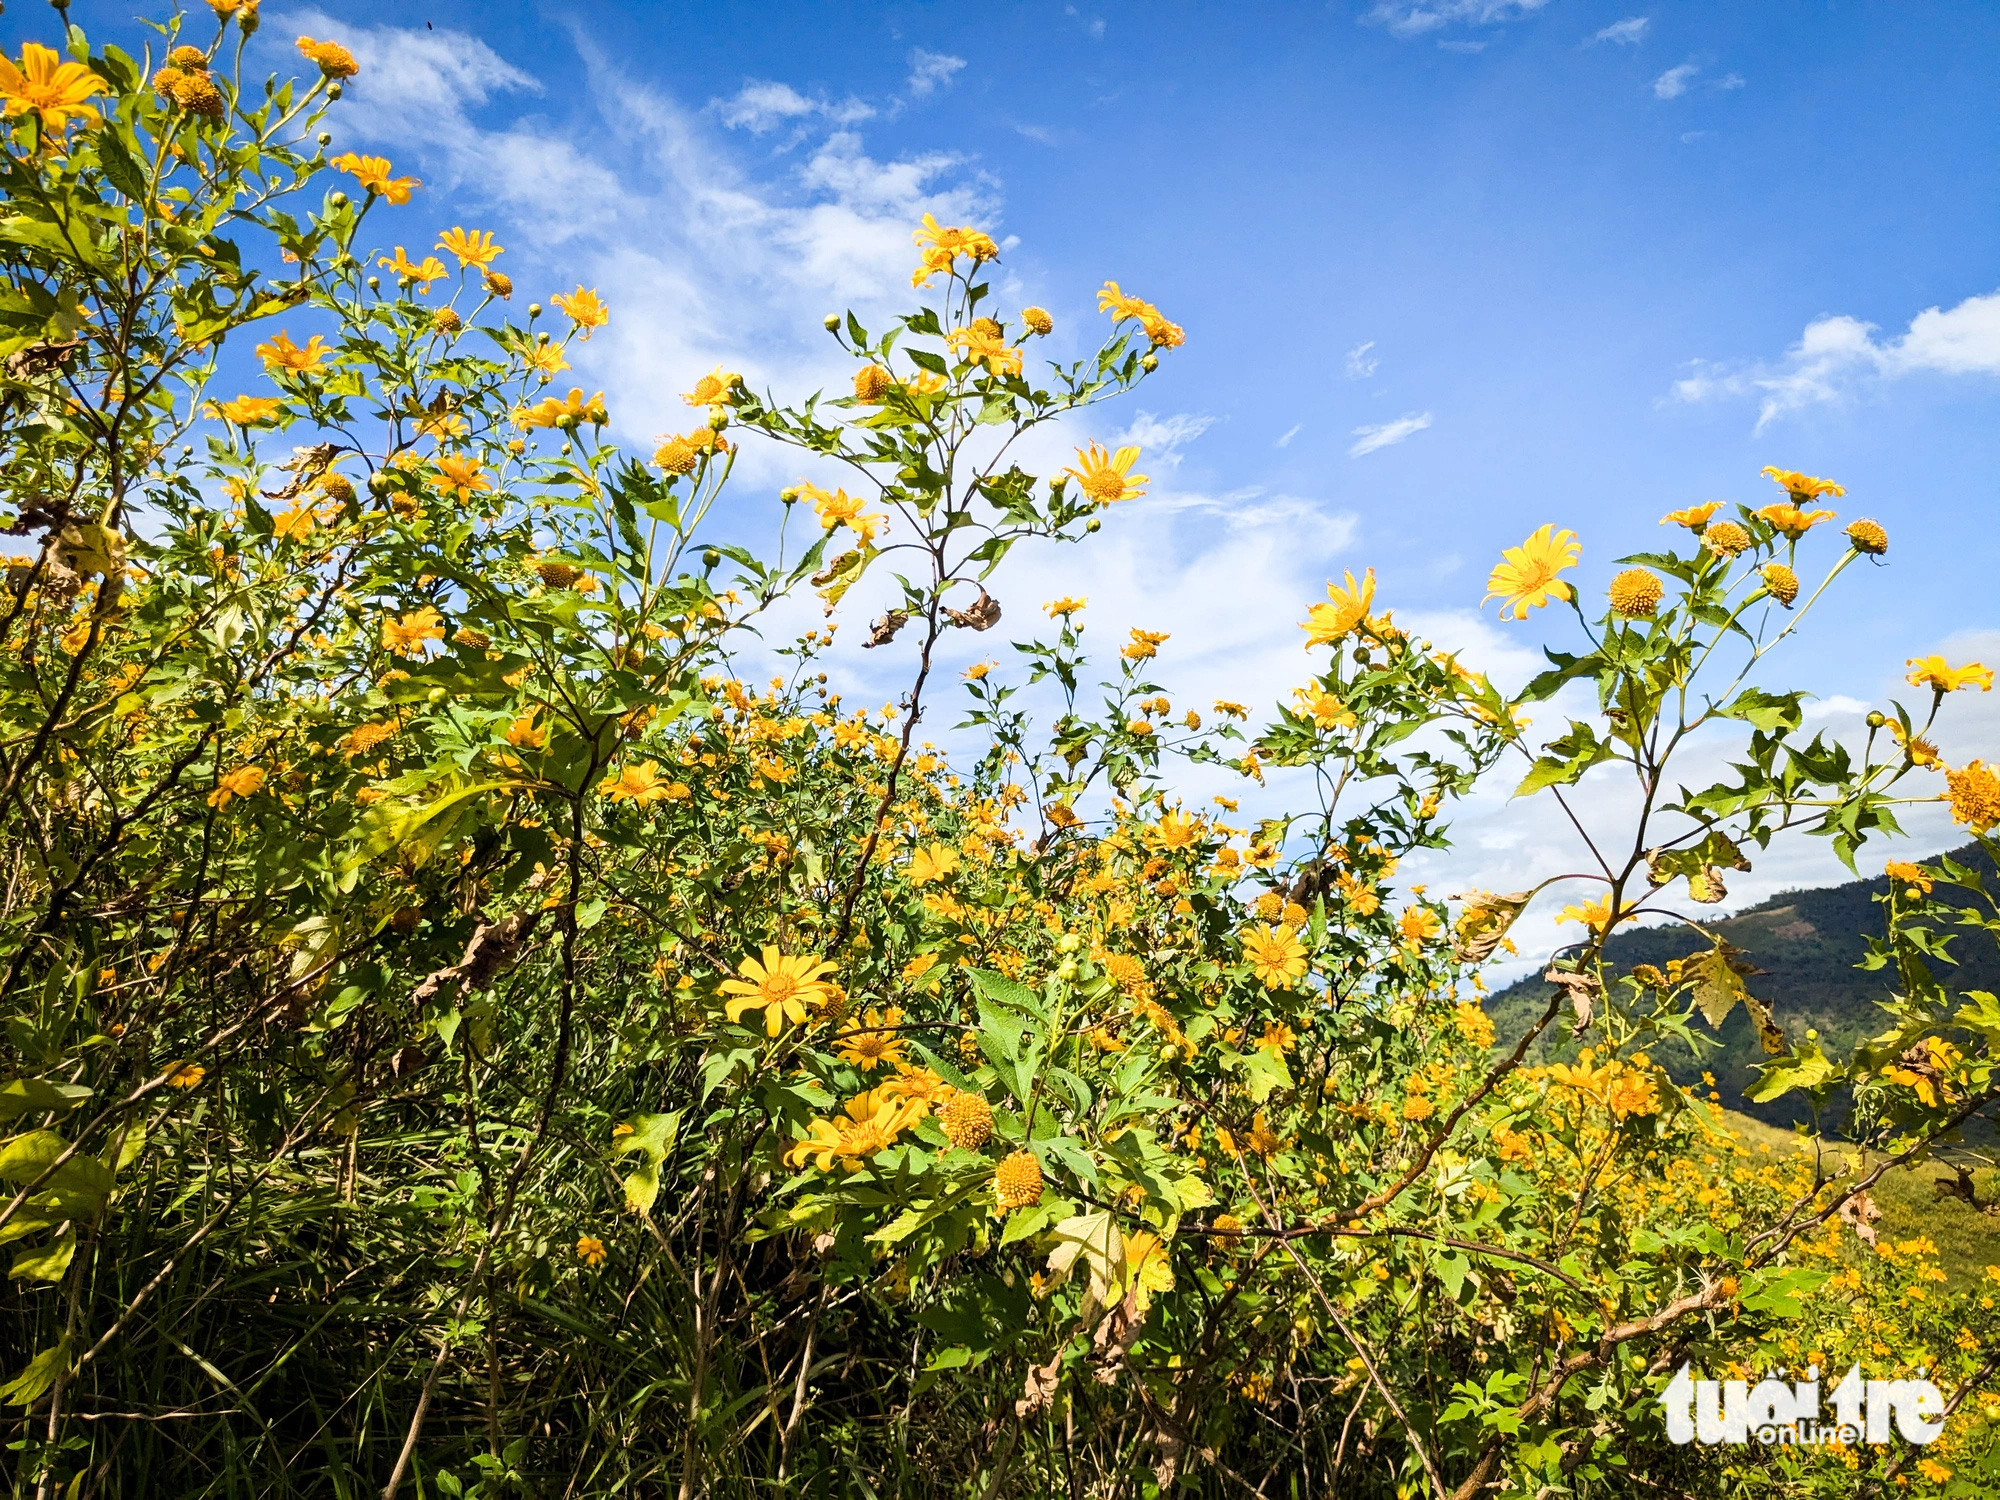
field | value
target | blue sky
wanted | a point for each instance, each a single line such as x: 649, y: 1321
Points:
x: 1449, y: 269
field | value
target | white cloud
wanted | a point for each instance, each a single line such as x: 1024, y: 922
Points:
x: 1039, y: 133
x: 1290, y: 433
x: 1732, y: 81
x: 1359, y: 365
x: 1415, y: 17
x: 761, y: 105
x: 1457, y: 46
x: 1162, y: 438
x: 1368, y: 439
x: 1838, y: 356
x: 1623, y: 33
x: 931, y: 70
x: 1674, y: 82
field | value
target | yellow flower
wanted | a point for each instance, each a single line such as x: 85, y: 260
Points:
x: 1017, y: 1181
x: 1037, y: 320
x: 871, y: 1123
x: 1064, y: 607
x: 473, y: 247
x: 1868, y: 537
x: 372, y: 172
x: 1278, y: 1037
x: 244, y: 781
x: 282, y: 354
x: 334, y: 60
x: 676, y: 456
x: 1803, y: 488
x: 986, y: 344
x: 1726, y: 539
x: 1792, y: 521
x: 406, y: 636
x: 1473, y: 1024
x: 1144, y: 644
x: 1695, y: 517
x: 525, y: 734
x: 1347, y: 606
x: 1934, y: 673
x: 1594, y: 913
x: 1526, y: 578
x: 45, y: 86
x: 248, y: 411
x: 871, y: 384
x: 714, y: 388
x: 1323, y: 708
x: 187, y: 1076
x: 569, y: 413
x: 590, y: 1251
x: 1418, y: 924
x: 1782, y: 583
x: 642, y: 784
x: 420, y: 274
x: 874, y: 1042
x: 1916, y: 877
x: 1164, y: 335
x: 1975, y: 795
x: 1636, y: 593
x: 1110, y: 299
x: 584, y: 307
x: 1275, y: 955
x: 1262, y: 1139
x: 781, y: 985
x: 967, y: 1120
x: 934, y: 863
x: 918, y: 967
x: 459, y: 475
x: 941, y: 245
x: 1107, y: 477
x: 978, y: 670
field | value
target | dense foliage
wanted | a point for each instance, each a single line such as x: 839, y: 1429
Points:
x: 462, y: 1039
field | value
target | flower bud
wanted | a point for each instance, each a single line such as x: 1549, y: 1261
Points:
x: 336, y: 200
x: 832, y: 322
x: 333, y: 91
x: 1877, y: 719
x: 325, y: 137
x: 534, y: 309
x: 1150, y: 363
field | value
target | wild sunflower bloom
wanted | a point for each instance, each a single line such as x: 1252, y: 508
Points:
x: 406, y: 635
x: 1346, y: 608
x: 472, y: 247
x: 933, y: 863
x: 1916, y: 877
x: 932, y: 261
x: 1782, y: 583
x: 45, y: 86
x: 947, y: 241
x: 333, y: 60
x: 1144, y: 644
x: 1526, y: 578
x: 1064, y: 607
x: 978, y: 670
x: 583, y: 308
x: 676, y: 456
x: 591, y: 1251
x: 1163, y: 333
x: 1037, y: 320
x: 967, y: 1120
x: 190, y: 89
x: 1110, y: 299
x: 641, y: 784
x: 372, y: 172
x: 1694, y: 517
x: 713, y: 389
x: 187, y: 1076
x: 1792, y: 522
x: 1868, y: 537
x: 248, y: 411
x: 783, y: 986
x: 459, y: 476
x: 1636, y: 593
x: 1595, y: 914
x: 1017, y: 1182
x: 419, y: 274
x: 987, y: 345
x: 1940, y: 677
x: 1278, y: 1037
x: 282, y: 354
x: 1418, y: 925
x: 1726, y: 539
x: 1107, y: 477
x: 1803, y: 488
x: 871, y: 384
x: 874, y: 1043
x: 244, y: 781
x: 1276, y: 957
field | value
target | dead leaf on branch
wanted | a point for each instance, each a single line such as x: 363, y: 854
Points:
x: 1484, y: 922
x: 983, y: 615
x: 1582, y: 989
x: 883, y: 631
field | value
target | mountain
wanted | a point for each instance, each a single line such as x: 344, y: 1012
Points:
x: 1808, y: 943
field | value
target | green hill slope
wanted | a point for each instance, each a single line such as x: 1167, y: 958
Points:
x: 1808, y: 942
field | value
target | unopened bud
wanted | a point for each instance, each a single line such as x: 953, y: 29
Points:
x: 1150, y: 363
x: 325, y: 137
x: 832, y: 321
x: 1093, y: 524
x: 1877, y: 720
x: 336, y: 200
x: 710, y: 558
x: 333, y: 91
x: 534, y: 309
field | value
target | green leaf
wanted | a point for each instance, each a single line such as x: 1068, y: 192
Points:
x: 1717, y: 976
x: 1768, y: 712
x: 45, y: 1263
x: 32, y: 1096
x: 28, y: 1387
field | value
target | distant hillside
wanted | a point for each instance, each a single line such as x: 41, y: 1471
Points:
x: 1808, y: 942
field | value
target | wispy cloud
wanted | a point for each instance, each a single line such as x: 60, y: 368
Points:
x: 1625, y: 33
x: 1837, y: 356
x: 1290, y: 433
x: 930, y: 71
x: 1094, y: 25
x: 1387, y: 434
x: 1458, y: 46
x: 1162, y: 438
x: 1360, y: 364
x: 1038, y: 133
x: 1416, y: 17
x: 761, y: 106
x: 1674, y: 82
x: 1732, y: 81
